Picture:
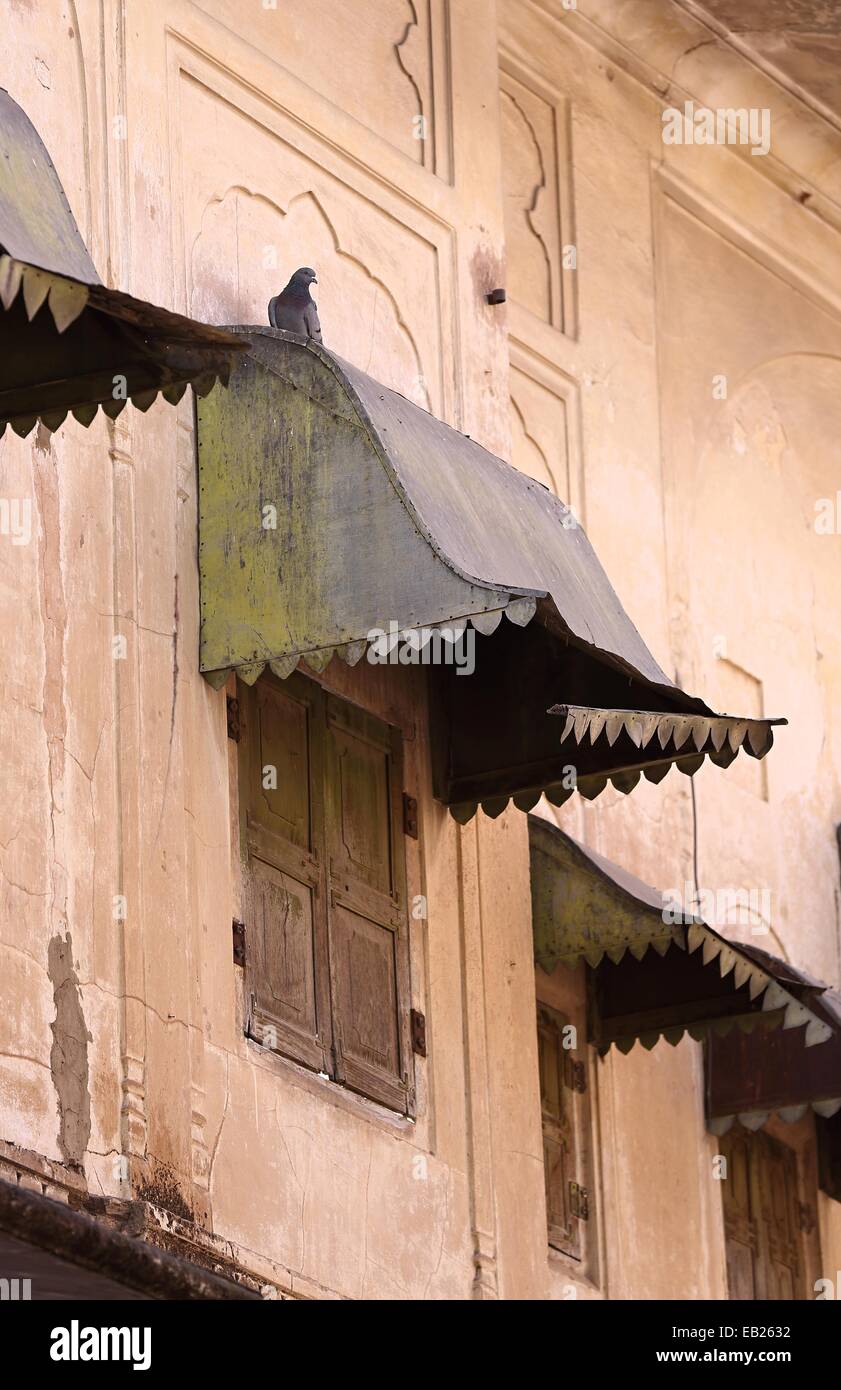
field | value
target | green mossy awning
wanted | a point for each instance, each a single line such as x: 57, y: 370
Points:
x: 331, y: 508
x: 67, y: 343
x: 657, y: 970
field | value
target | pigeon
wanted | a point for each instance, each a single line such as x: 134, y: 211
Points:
x: 294, y: 308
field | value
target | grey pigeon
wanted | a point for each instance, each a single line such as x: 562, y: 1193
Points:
x: 294, y: 308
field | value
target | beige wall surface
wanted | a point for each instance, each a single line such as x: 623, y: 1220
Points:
x: 208, y: 149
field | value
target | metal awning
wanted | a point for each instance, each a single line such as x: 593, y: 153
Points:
x: 68, y: 344
x: 332, y: 508
x: 660, y: 741
x: 640, y: 989
x: 751, y: 1080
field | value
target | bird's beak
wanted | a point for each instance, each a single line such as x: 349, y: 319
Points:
x: 314, y: 280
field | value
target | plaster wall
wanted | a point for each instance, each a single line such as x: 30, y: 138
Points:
x: 207, y: 150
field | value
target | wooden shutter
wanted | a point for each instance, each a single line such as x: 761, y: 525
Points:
x: 741, y: 1229
x: 285, y: 901
x: 780, y: 1217
x: 368, y: 928
x: 829, y: 1152
x: 556, y: 1102
x: 761, y: 1218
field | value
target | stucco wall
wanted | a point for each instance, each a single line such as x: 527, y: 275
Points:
x: 207, y: 150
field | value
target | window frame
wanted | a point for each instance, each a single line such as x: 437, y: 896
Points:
x: 751, y: 1230
x: 562, y: 997
x: 305, y: 864
x: 333, y: 886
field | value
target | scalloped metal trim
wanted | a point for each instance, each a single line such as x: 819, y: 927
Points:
x: 682, y: 738
x: 732, y: 962
x: 517, y: 610
x: 66, y: 300
x: 725, y: 734
x: 23, y: 425
x: 589, y: 787
x: 755, y: 1119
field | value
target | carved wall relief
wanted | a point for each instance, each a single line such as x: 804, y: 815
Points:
x: 260, y: 245
x: 539, y: 433
x: 255, y: 209
x: 385, y: 77
x: 531, y: 157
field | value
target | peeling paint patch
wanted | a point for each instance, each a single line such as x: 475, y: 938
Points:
x: 69, y: 1054
x: 43, y: 439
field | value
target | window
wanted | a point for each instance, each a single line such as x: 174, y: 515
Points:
x: 324, y: 890
x: 565, y: 1109
x: 770, y: 1234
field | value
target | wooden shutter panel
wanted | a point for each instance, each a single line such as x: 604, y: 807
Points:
x: 761, y: 1218
x: 284, y: 879
x: 558, y: 1131
x: 368, y: 931
x: 741, y: 1232
x: 780, y: 1217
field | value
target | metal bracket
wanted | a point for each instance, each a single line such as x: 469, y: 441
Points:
x: 575, y: 1075
x: 410, y: 816
x: 238, y: 929
x: 579, y: 1201
x: 233, y: 718
x: 418, y: 1027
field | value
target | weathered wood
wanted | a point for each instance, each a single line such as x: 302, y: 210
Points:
x: 327, y: 969
x: 752, y: 1073
x: 763, y: 1242
x: 368, y: 918
x: 559, y: 1136
x: 284, y: 876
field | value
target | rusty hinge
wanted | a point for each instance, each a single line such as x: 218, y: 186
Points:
x: 418, y: 1026
x: 238, y: 929
x: 579, y: 1201
x: 575, y: 1074
x: 233, y: 718
x: 410, y: 815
